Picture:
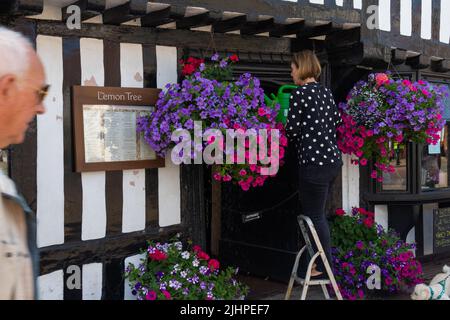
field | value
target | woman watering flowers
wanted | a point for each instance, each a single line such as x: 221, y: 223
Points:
x: 311, y: 125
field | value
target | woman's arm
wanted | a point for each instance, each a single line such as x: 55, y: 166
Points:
x: 293, y: 123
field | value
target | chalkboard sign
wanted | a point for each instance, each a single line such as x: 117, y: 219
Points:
x: 441, y: 230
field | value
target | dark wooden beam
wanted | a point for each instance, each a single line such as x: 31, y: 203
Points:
x: 440, y: 65
x: 199, y: 20
x: 21, y: 7
x: 102, y: 250
x: 346, y: 55
x: 128, y: 11
x: 314, y: 30
x: 168, y: 37
x: 163, y: 16
x: 255, y: 25
x: 230, y: 24
x: 343, y: 38
x: 418, y: 61
x: 287, y: 28
x: 89, y: 8
x: 283, y: 9
x: 398, y: 56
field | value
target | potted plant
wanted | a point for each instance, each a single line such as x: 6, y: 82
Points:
x: 208, y: 94
x: 173, y: 271
x: 381, y: 115
x: 364, y: 253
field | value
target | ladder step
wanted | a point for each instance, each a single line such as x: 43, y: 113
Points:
x: 313, y: 282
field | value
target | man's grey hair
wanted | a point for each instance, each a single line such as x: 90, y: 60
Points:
x: 14, y: 53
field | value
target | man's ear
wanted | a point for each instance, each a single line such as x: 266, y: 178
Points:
x: 8, y: 88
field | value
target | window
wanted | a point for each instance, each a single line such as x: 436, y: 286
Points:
x: 434, y: 163
x: 398, y: 180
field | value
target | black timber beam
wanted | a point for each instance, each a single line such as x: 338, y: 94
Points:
x: 418, y: 61
x: 89, y: 8
x: 163, y: 16
x: 199, y: 20
x: 284, y: 29
x: 230, y: 24
x: 283, y: 9
x: 398, y: 56
x: 255, y: 25
x: 159, y: 36
x: 440, y: 65
x: 21, y: 7
x: 314, y: 30
x: 128, y: 11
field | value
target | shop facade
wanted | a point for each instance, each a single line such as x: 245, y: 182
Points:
x: 95, y: 223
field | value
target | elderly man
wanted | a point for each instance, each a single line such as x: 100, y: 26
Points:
x: 22, y: 91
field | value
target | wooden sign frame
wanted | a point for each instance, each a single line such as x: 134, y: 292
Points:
x: 108, y: 96
x: 436, y: 248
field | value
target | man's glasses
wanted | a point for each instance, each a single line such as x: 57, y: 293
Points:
x: 42, y: 92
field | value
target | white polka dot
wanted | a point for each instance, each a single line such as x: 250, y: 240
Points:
x: 321, y: 163
x: 326, y: 138
x: 298, y: 92
x: 304, y: 123
x: 314, y: 140
x: 332, y: 160
x: 307, y: 135
x: 295, y: 104
x: 293, y: 116
x: 312, y: 129
x: 313, y: 159
x: 313, y: 109
x: 309, y: 98
x: 308, y: 116
x: 313, y: 90
x: 309, y: 147
x: 317, y: 152
x: 319, y: 133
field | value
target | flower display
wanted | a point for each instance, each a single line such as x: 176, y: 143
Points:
x: 169, y: 271
x: 358, y: 244
x: 382, y: 113
x: 208, y: 94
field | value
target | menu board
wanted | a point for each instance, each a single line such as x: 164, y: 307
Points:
x: 441, y: 230
x: 110, y: 133
x: 105, y: 128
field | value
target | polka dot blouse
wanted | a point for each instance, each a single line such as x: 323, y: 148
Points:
x: 311, y: 124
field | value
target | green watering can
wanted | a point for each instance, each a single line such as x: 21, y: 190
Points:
x: 282, y: 98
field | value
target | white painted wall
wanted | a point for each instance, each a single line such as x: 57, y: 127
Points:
x: 381, y: 216
x: 426, y: 19
x: 384, y: 14
x: 428, y: 227
x: 50, y: 148
x: 406, y: 17
x: 92, y: 281
x: 135, y: 260
x: 350, y: 184
x: 132, y: 75
x: 168, y: 177
x: 445, y: 25
x: 93, y: 224
x: 51, y: 286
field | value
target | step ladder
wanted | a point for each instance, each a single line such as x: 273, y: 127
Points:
x: 307, y: 282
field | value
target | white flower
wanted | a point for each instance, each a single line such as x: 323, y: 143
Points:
x: 196, y: 263
x: 183, y: 274
x: 178, y: 245
x: 185, y: 255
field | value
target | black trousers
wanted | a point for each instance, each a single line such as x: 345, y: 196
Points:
x: 315, y: 182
